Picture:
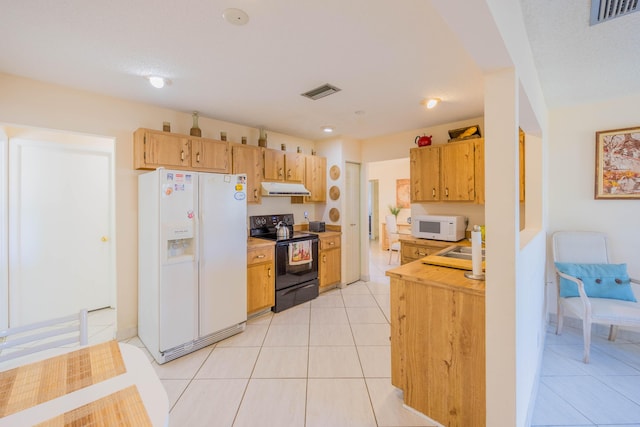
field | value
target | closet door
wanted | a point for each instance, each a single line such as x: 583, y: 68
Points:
x: 60, y: 227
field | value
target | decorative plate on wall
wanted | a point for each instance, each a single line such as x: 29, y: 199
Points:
x: 334, y: 172
x: 334, y: 214
x: 334, y: 193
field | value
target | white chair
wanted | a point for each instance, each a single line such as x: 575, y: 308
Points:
x: 35, y: 337
x: 589, y: 248
x: 392, y: 234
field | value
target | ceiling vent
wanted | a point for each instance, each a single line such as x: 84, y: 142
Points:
x: 322, y: 91
x: 605, y: 10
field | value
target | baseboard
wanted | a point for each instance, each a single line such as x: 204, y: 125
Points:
x: 625, y: 333
x: 125, y: 334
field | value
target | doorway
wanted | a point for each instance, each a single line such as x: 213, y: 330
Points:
x: 61, y: 248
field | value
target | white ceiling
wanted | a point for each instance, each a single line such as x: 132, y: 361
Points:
x: 386, y: 56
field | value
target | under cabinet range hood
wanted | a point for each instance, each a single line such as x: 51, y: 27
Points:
x: 284, y: 189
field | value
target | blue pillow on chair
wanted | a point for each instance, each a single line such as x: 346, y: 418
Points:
x: 600, y: 280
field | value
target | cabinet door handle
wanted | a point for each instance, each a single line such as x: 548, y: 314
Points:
x: 198, y: 157
x: 261, y: 256
x: 280, y: 172
x: 288, y: 173
x: 420, y: 253
x: 269, y: 272
x: 332, y: 243
x: 182, y: 156
x: 255, y: 194
x: 446, y: 192
x: 324, y: 258
x: 433, y: 192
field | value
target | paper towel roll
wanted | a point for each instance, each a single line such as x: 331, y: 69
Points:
x: 476, y: 252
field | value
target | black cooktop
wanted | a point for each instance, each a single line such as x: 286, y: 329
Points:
x: 264, y: 227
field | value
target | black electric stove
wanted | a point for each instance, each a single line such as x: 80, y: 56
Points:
x: 296, y: 282
x: 264, y: 227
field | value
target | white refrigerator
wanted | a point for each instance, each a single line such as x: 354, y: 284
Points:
x: 192, y: 260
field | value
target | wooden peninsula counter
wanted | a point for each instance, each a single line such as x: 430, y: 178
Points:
x: 438, y: 342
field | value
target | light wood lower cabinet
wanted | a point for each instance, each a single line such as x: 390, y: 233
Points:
x: 412, y: 249
x: 261, y: 288
x: 438, y: 350
x: 329, y: 267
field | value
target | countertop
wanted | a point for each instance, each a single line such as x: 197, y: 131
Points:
x: 254, y: 242
x: 430, y: 242
x: 433, y: 275
x: 327, y: 233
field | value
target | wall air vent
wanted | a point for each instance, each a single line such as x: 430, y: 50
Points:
x: 322, y: 91
x: 605, y: 10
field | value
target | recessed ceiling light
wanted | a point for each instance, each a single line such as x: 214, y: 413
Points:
x: 432, y: 102
x: 235, y: 16
x: 158, y: 82
x: 327, y: 129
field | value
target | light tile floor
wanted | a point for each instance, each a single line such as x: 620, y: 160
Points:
x: 605, y: 392
x: 323, y: 363
x: 327, y: 363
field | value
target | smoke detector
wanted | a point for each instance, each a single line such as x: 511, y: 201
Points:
x: 605, y: 10
x: 321, y: 92
x: 235, y: 16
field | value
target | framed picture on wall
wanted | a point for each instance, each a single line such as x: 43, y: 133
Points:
x: 618, y: 164
x: 403, y: 199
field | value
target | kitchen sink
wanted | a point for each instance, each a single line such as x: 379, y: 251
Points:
x: 459, y: 252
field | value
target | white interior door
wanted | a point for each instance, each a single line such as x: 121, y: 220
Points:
x: 352, y: 222
x: 60, y: 227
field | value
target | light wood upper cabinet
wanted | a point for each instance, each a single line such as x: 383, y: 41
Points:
x: 294, y: 164
x: 210, y: 155
x: 457, y: 172
x: 273, y: 165
x: 248, y: 159
x: 153, y: 149
x: 448, y: 172
x: 425, y: 174
x: 283, y: 166
x: 315, y: 180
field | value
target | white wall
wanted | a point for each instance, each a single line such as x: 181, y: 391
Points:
x: 30, y: 103
x: 572, y: 176
x: 387, y: 173
x: 493, y: 31
x: 389, y: 149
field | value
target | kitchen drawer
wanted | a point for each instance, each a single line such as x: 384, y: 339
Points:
x: 411, y: 252
x: 259, y: 255
x: 329, y: 242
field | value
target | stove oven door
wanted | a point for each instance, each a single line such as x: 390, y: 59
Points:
x: 289, y: 270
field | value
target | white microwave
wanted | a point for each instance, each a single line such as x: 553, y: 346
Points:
x: 450, y: 228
